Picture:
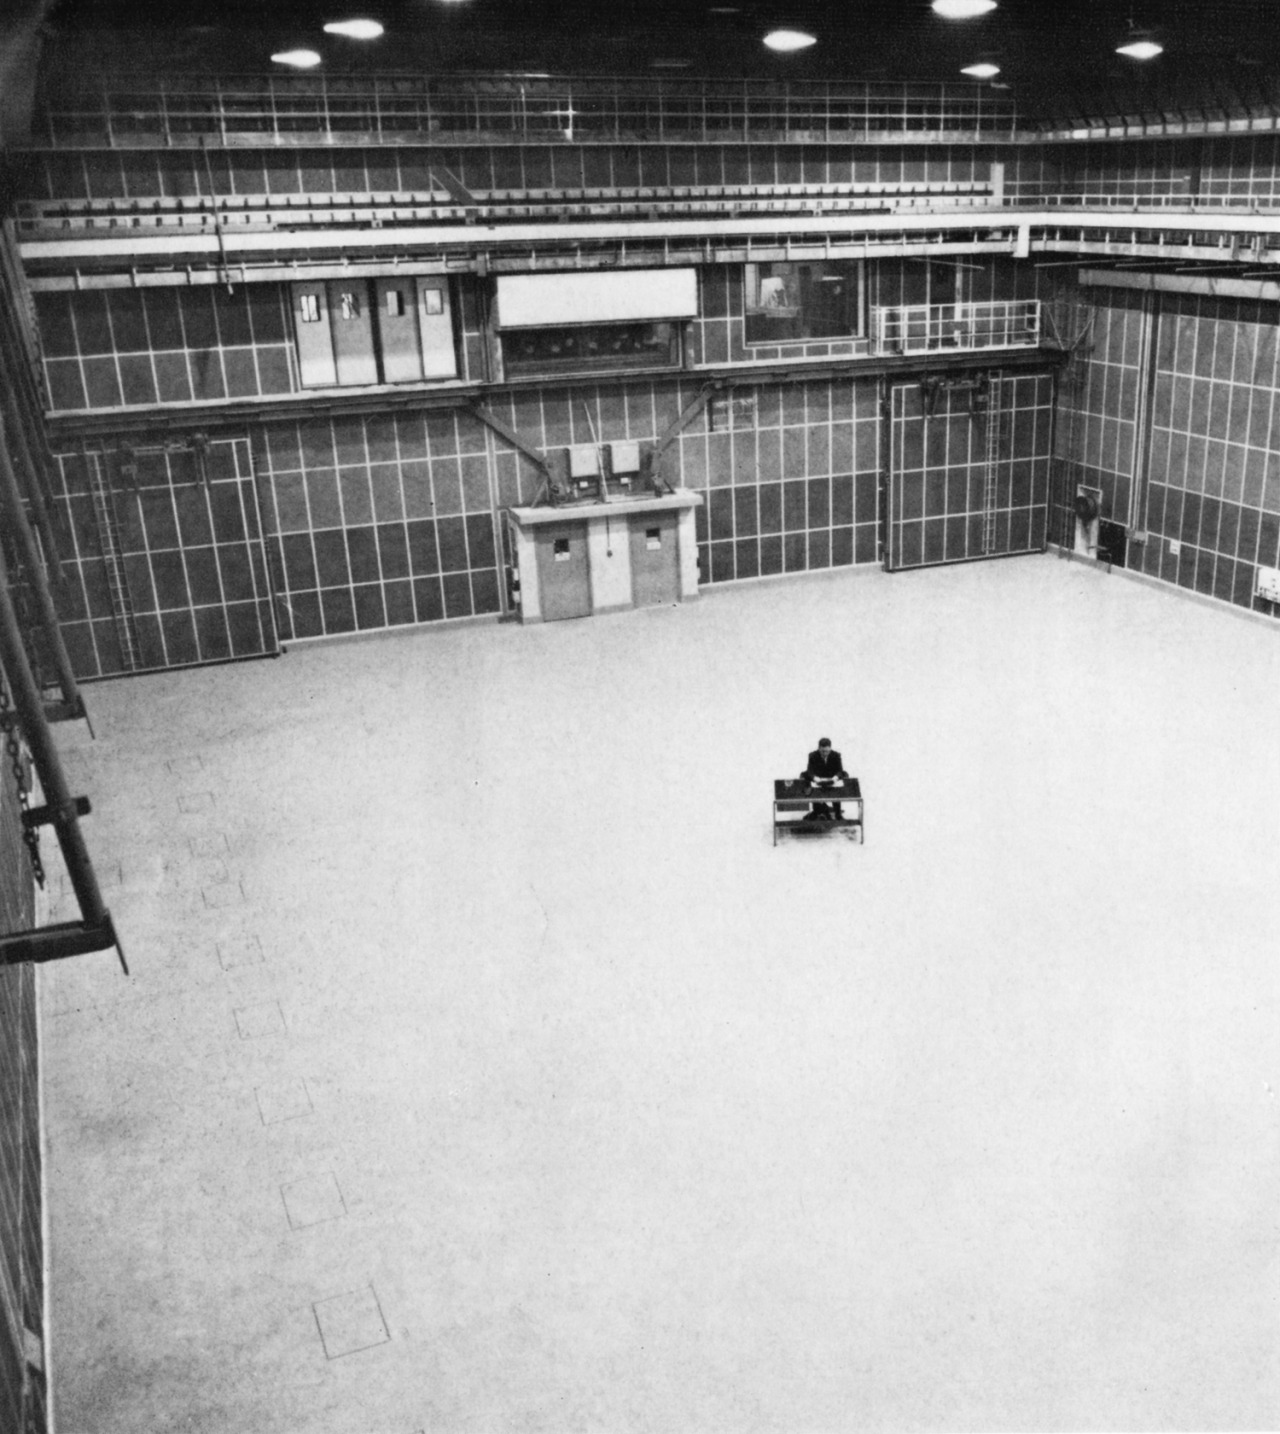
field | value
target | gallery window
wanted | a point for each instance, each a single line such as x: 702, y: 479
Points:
x: 798, y: 300
x: 590, y: 348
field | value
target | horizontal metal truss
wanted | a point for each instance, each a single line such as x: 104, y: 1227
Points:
x: 138, y: 258
x: 1187, y: 126
x: 257, y: 213
x: 234, y: 413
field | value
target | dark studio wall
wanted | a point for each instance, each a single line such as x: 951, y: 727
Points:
x: 23, y: 1400
x: 1197, y: 467
x: 302, y: 522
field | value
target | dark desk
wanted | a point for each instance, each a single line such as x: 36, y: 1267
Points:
x: 798, y: 796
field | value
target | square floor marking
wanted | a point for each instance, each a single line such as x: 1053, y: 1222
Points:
x: 350, y: 1322
x: 283, y: 1100
x: 213, y: 845
x: 190, y: 763
x: 195, y: 802
x: 313, y: 1201
x: 230, y: 893
x: 264, y: 1019
x: 239, y: 951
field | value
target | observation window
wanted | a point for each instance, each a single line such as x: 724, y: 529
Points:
x: 590, y: 348
x: 792, y: 302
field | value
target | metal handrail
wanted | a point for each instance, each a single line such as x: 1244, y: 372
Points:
x: 952, y: 328
x: 175, y: 109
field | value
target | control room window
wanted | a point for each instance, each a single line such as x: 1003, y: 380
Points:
x: 794, y: 301
x: 590, y: 348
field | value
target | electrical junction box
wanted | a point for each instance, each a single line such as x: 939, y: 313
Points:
x: 584, y: 461
x: 624, y: 458
x: 1267, y: 584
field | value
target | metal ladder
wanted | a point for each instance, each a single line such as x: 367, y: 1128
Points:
x: 109, y: 540
x: 991, y: 467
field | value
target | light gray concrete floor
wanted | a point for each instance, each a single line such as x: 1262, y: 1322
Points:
x: 483, y: 1066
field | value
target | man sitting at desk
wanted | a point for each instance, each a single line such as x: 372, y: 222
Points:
x: 825, y: 769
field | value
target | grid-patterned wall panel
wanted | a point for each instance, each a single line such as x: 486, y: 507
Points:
x: 378, y: 521
x: 23, y: 1405
x: 791, y: 483
x: 969, y: 480
x: 1098, y: 401
x: 107, y: 348
x: 383, y: 520
x: 719, y: 333
x: 142, y: 174
x: 167, y: 567
x: 1227, y: 170
x: 103, y: 349
x: 1209, y: 482
x: 1214, y: 473
x: 720, y: 330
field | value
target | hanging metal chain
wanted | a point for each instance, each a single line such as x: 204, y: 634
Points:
x: 9, y: 727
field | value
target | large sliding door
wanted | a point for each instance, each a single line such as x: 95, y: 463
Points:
x: 969, y: 461
x: 169, y: 568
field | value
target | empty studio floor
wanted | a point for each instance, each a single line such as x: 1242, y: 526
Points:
x: 484, y: 1066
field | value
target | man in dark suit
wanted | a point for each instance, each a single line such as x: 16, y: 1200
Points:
x: 825, y: 765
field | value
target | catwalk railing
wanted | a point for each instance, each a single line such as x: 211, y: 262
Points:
x: 248, y: 212
x: 180, y: 111
x: 957, y: 328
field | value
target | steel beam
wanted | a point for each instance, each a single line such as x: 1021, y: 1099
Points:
x: 1229, y: 288
x: 487, y: 416
x: 94, y: 931
x: 16, y: 521
x: 1009, y: 221
x: 33, y: 467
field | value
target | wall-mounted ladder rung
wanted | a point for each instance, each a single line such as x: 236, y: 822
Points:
x: 991, y: 464
x: 109, y: 541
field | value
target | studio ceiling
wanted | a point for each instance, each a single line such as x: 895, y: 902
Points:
x: 1230, y: 48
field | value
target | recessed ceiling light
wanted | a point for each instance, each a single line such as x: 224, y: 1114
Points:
x: 787, y: 41
x: 354, y: 29
x: 981, y: 71
x: 962, y: 9
x: 669, y: 64
x: 1140, y: 49
x: 299, y: 59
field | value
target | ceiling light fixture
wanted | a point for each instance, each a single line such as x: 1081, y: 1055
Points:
x: 1141, y: 49
x: 981, y: 71
x: 354, y: 29
x: 670, y: 64
x: 786, y: 42
x: 962, y: 9
x: 299, y: 59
